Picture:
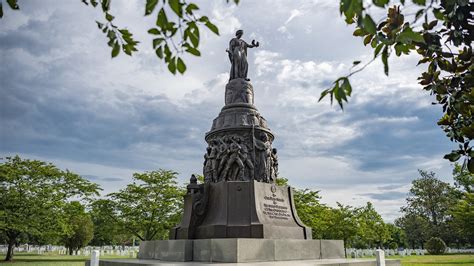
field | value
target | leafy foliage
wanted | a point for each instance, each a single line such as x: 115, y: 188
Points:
x: 463, y: 216
x: 442, y: 35
x: 430, y: 197
x: 107, y: 230
x: 463, y: 179
x: 78, y: 228
x: 32, y: 196
x: 150, y: 206
x: 435, y: 246
x: 416, y: 228
x: 177, y: 31
x: 435, y: 209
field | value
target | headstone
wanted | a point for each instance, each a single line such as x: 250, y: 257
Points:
x: 95, y: 258
x: 380, y: 257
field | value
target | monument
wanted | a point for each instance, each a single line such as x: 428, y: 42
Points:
x: 239, y: 213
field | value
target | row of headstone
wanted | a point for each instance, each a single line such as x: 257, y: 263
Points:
x: 360, y: 253
x: 61, y: 250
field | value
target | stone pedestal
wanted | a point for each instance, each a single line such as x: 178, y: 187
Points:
x: 241, y: 250
x: 240, y: 209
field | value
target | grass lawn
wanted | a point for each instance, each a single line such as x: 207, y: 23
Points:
x: 62, y: 260
x: 24, y: 259
x: 439, y: 260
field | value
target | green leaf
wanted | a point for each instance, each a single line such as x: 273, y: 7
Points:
x: 191, y: 7
x: 380, y: 3
x: 154, y: 31
x: 115, y: 50
x: 419, y: 2
x: 453, y: 156
x: 109, y: 17
x: 438, y: 14
x: 346, y: 86
x: 172, y: 66
x: 161, y: 20
x: 159, y: 52
x: 99, y: 24
x: 385, y: 60
x: 13, y: 4
x: 470, y: 165
x: 212, y: 27
x: 419, y: 13
x: 369, y: 24
x: 157, y: 41
x: 368, y: 38
x: 407, y: 36
x: 193, y: 51
x: 359, y: 32
x: 181, y: 66
x: 105, y: 5
x: 176, y: 7
x: 127, y: 49
x: 377, y: 49
x: 193, y: 33
x: 150, y: 6
x: 323, y: 94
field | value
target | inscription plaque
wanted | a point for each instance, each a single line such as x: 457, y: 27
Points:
x: 273, y: 204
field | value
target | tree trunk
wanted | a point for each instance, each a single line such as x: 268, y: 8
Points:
x: 11, y: 245
x: 70, y: 250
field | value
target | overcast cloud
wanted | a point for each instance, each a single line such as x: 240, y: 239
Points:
x: 65, y: 101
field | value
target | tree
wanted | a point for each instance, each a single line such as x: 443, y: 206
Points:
x: 150, y: 206
x: 436, y: 246
x: 397, y: 238
x: 463, y: 216
x: 342, y: 224
x: 107, y: 230
x: 372, y: 230
x: 441, y: 33
x: 78, y: 228
x: 463, y: 211
x: 430, y: 197
x: 428, y: 210
x: 176, y: 32
x: 463, y: 179
x: 32, y: 194
x: 415, y: 227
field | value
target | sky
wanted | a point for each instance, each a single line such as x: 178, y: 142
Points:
x: 65, y: 101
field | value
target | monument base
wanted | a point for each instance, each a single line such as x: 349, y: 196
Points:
x: 240, y: 250
x: 327, y: 262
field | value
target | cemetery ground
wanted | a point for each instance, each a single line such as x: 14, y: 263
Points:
x: 52, y: 259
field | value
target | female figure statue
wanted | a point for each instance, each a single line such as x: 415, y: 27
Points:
x: 238, y: 56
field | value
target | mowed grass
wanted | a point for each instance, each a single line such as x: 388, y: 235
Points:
x: 24, y: 259
x: 438, y: 260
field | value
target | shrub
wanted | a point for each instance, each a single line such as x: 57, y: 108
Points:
x: 435, y: 246
x: 393, y: 245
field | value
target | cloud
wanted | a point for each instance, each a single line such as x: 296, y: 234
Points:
x: 64, y: 100
x: 389, y: 195
x: 294, y: 13
x: 95, y: 178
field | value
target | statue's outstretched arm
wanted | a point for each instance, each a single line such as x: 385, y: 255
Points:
x: 254, y: 44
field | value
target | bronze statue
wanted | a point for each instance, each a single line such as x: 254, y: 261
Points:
x: 238, y: 56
